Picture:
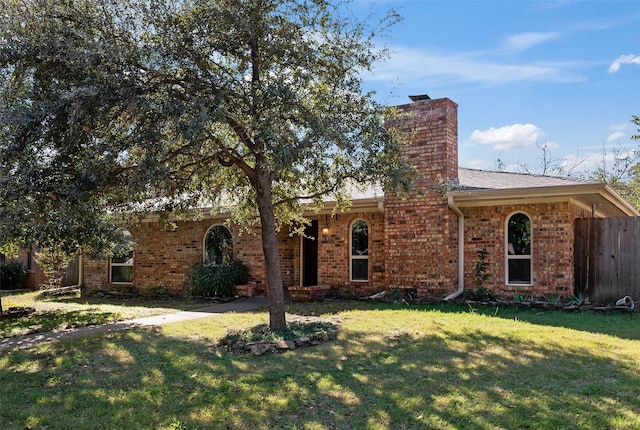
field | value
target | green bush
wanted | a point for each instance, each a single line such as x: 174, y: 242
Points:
x: 480, y: 294
x: 218, y: 280
x: 12, y: 275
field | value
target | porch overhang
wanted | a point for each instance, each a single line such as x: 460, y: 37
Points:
x: 600, y: 199
x: 372, y: 204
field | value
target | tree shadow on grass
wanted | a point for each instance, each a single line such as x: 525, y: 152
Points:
x: 46, y: 321
x: 142, y: 379
x: 179, y: 304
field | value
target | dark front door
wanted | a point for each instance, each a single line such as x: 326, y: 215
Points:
x: 310, y: 255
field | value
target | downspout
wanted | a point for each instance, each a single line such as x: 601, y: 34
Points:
x: 460, y: 215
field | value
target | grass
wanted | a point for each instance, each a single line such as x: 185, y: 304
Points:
x: 392, y: 367
x: 75, y: 311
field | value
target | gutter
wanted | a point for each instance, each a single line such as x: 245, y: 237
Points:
x: 460, y: 215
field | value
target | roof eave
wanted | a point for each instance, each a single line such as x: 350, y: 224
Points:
x: 609, y: 201
x: 369, y: 204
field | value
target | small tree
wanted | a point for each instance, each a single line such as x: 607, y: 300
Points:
x: 53, y: 262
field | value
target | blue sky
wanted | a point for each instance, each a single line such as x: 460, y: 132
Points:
x: 564, y: 74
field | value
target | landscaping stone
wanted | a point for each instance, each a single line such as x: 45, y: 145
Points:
x: 303, y: 341
x: 259, y: 348
x: 285, y: 345
x: 239, y: 345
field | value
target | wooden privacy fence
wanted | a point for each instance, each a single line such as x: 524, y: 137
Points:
x: 607, y: 258
x: 72, y: 274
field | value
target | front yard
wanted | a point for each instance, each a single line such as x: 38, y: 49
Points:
x: 392, y: 367
x: 74, y: 311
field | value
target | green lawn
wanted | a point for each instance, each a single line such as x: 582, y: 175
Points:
x: 392, y: 367
x: 74, y: 311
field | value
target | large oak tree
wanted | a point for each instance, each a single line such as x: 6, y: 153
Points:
x: 112, y: 107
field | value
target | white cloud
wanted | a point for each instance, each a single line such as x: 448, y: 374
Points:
x: 581, y: 165
x: 605, y: 158
x: 615, y: 135
x: 432, y: 69
x: 516, y: 136
x: 623, y: 59
x: 524, y: 41
x: 618, y: 131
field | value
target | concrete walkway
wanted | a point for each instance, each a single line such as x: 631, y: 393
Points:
x: 30, y: 340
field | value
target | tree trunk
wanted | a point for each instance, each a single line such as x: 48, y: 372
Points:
x: 277, y: 321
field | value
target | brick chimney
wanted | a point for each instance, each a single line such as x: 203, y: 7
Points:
x: 431, y: 130
x: 420, y: 229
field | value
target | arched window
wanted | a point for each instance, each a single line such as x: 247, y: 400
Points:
x: 359, y: 255
x: 519, y: 261
x: 121, y: 264
x: 218, y: 246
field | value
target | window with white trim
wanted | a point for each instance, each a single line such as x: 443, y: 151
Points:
x: 359, y: 253
x: 519, y: 260
x: 218, y: 246
x: 121, y: 264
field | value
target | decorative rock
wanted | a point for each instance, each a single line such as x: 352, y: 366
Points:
x: 316, y: 337
x: 260, y: 348
x: 239, y: 345
x: 285, y: 345
x: 303, y: 341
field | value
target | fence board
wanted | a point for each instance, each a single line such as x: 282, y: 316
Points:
x: 72, y: 274
x: 606, y: 257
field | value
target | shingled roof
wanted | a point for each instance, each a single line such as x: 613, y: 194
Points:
x: 472, y: 179
x: 486, y: 188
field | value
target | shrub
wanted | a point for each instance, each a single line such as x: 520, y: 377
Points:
x: 480, y: 274
x: 480, y: 294
x: 12, y: 275
x: 53, y: 262
x: 218, y: 280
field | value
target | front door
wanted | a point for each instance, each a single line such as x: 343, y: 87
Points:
x: 310, y: 255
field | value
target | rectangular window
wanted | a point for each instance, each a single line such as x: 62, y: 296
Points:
x: 359, y: 269
x: 359, y: 254
x: 518, y: 240
x: 519, y: 271
x: 122, y: 269
x: 121, y: 264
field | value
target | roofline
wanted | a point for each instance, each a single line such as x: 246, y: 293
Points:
x: 484, y: 197
x: 465, y: 198
x: 369, y: 204
x: 614, y: 196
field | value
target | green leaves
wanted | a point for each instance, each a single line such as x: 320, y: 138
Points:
x: 114, y: 107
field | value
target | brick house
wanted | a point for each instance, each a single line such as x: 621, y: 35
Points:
x: 427, y: 242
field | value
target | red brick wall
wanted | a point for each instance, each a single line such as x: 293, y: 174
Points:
x: 333, y: 255
x: 420, y: 229
x: 165, y: 257
x: 413, y: 243
x: 552, y: 247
